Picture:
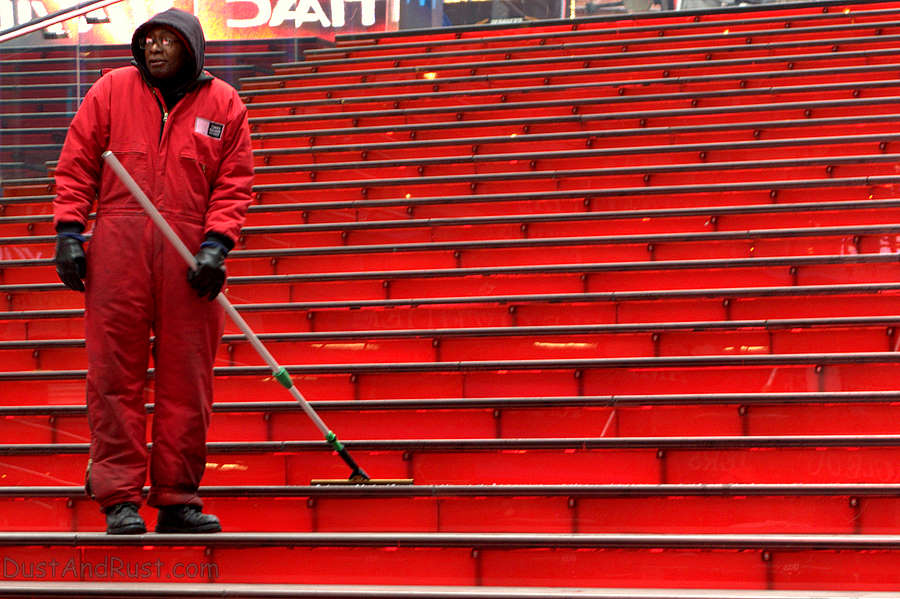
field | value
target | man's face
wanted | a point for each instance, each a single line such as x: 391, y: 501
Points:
x: 163, y: 52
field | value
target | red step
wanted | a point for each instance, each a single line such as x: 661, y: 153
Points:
x: 521, y: 252
x: 555, y: 100
x: 515, y: 343
x: 287, y: 147
x: 591, y: 509
x: 813, y: 372
x: 506, y: 418
x: 858, y: 562
x: 436, y: 41
x: 845, y: 459
x: 594, y: 169
x: 620, y: 51
x: 724, y: 66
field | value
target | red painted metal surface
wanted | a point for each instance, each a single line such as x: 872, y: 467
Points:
x: 521, y: 466
x: 710, y: 100
x: 538, y: 31
x: 688, y: 568
x: 325, y: 565
x: 711, y: 514
x: 591, y: 69
x: 620, y: 568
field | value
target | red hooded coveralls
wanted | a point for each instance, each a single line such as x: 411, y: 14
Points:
x: 195, y: 164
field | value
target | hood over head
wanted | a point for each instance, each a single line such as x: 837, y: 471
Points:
x: 188, y: 28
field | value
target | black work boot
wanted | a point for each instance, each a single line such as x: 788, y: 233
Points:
x: 123, y: 519
x: 186, y: 518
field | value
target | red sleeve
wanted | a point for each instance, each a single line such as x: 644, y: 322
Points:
x: 231, y: 190
x: 78, y: 171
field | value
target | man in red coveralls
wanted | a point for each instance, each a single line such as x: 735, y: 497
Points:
x: 184, y: 137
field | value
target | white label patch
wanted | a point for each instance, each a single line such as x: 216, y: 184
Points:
x: 209, y: 128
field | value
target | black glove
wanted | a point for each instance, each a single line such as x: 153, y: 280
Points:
x: 209, y: 276
x: 71, y: 263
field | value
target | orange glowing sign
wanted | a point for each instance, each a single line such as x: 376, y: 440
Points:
x: 221, y: 19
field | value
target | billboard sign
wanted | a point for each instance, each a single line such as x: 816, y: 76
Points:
x: 221, y: 19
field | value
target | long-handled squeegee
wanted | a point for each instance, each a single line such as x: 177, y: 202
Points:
x: 357, y: 475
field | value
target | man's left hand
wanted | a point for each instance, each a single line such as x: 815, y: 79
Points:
x: 209, y: 276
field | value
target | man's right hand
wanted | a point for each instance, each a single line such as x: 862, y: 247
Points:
x: 71, y: 263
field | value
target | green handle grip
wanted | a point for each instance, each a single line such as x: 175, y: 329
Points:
x: 284, y: 378
x: 333, y: 441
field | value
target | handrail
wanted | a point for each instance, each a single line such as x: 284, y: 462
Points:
x: 57, y: 17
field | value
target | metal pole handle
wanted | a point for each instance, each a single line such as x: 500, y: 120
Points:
x: 278, y: 371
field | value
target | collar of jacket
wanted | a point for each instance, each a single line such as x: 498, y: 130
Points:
x: 177, y: 93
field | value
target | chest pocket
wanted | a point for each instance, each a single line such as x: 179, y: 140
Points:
x: 197, y: 176
x: 205, y: 148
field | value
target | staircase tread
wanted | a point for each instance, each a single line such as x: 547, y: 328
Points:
x: 328, y: 591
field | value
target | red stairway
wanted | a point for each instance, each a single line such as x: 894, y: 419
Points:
x: 620, y: 294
